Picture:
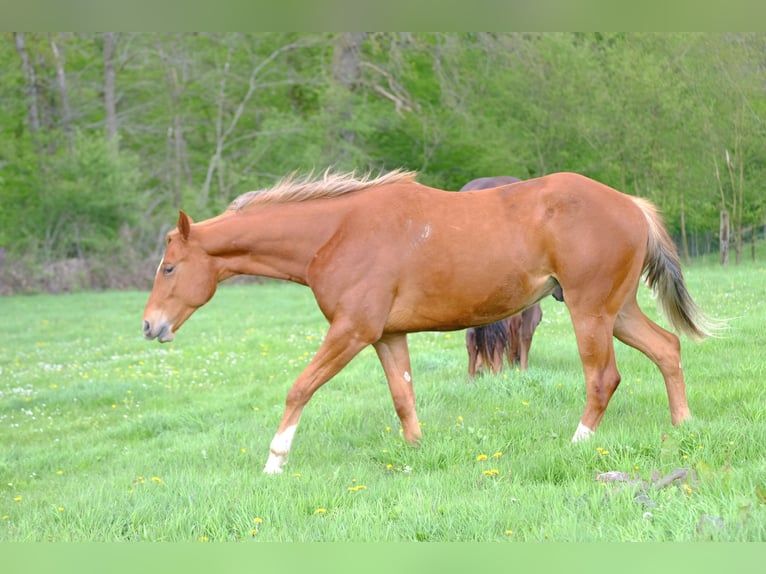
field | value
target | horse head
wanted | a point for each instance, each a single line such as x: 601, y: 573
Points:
x: 186, y: 279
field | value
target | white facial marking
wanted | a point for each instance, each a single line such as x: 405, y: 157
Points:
x: 160, y: 266
x: 278, y: 450
x: 581, y: 433
x: 407, y: 377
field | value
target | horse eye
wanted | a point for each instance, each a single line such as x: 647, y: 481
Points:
x: 168, y: 269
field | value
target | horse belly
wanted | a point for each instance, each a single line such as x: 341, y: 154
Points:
x: 437, y: 299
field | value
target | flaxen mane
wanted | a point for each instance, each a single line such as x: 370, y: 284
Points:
x: 308, y: 187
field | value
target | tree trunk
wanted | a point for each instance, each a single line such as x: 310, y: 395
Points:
x: 684, y: 241
x: 724, y: 237
x: 752, y: 244
x: 345, y: 58
x: 66, y: 113
x: 33, y: 114
x: 176, y: 142
x: 110, y: 97
x: 346, y: 72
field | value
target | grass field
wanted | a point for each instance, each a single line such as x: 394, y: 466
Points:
x: 107, y: 437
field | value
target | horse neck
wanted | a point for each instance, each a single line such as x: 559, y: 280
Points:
x: 275, y: 240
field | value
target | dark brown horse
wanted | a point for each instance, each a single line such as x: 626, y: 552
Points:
x: 508, y: 339
x: 388, y: 256
x: 512, y: 337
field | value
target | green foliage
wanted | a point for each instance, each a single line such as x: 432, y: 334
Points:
x: 204, y: 117
x: 78, y: 201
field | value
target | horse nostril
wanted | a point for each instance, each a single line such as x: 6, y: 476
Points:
x: 147, y: 327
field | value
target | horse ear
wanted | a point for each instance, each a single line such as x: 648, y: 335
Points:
x: 184, y: 224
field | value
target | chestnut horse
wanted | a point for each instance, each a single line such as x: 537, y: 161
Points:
x: 512, y: 337
x: 387, y: 256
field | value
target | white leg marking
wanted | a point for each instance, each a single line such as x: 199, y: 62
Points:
x: 581, y: 433
x: 278, y: 450
x: 407, y: 377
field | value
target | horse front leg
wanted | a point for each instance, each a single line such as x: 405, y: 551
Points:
x: 395, y: 357
x: 341, y: 344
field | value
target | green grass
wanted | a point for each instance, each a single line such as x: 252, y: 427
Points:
x: 105, y: 436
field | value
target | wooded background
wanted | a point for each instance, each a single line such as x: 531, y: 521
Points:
x: 106, y: 135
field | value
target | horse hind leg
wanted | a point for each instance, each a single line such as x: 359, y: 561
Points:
x: 662, y: 348
x: 513, y: 347
x: 596, y: 349
x: 530, y: 318
x: 473, y: 351
x: 497, y: 357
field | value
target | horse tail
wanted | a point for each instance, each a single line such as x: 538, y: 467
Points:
x: 489, y: 337
x: 662, y: 269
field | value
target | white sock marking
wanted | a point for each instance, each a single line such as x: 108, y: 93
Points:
x: 279, y: 449
x: 581, y: 433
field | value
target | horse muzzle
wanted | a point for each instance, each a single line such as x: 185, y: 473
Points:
x: 162, y: 331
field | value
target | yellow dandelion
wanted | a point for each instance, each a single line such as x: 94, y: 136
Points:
x: 491, y: 472
x: 460, y: 419
x: 497, y: 454
x: 687, y: 488
x: 481, y: 457
x: 157, y: 480
x: 60, y: 509
x: 320, y: 511
x: 59, y: 472
x: 203, y: 539
x: 508, y: 532
x: 252, y: 532
x: 525, y: 403
x: 389, y: 466
x: 18, y: 499
x: 297, y: 474
x: 243, y: 450
x: 258, y: 520
x: 5, y: 517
